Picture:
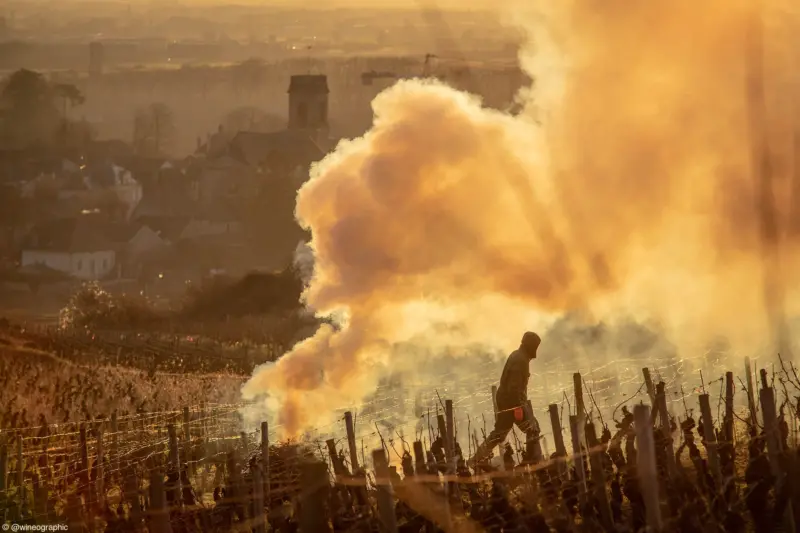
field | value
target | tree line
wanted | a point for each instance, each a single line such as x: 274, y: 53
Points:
x: 36, y: 113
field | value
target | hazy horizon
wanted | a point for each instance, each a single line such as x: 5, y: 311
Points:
x: 459, y: 5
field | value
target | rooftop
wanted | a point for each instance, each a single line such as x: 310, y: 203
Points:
x: 256, y: 148
x: 83, y: 233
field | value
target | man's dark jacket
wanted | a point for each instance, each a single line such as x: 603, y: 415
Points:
x: 513, y: 389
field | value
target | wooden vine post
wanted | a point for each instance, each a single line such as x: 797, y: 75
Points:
x: 257, y: 512
x: 174, y: 459
x: 774, y: 446
x: 646, y: 466
x: 449, y: 438
x: 580, y: 406
x: 710, y: 439
x: 558, y: 437
x: 450, y: 456
x: 666, y: 429
x: 132, y: 496
x: 315, y: 487
x: 385, y: 496
x: 751, y: 401
x: 648, y: 382
x: 265, y: 460
x: 351, y: 441
x: 419, y: 459
x: 728, y: 424
x: 577, y: 451
x: 596, y: 453
x: 20, y: 472
x: 158, y: 512
x: 187, y: 439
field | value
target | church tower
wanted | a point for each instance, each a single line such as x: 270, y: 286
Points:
x: 308, y: 103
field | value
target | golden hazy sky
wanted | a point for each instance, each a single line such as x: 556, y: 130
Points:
x: 327, y: 4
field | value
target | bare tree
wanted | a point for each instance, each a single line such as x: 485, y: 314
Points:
x: 70, y: 96
x: 153, y: 130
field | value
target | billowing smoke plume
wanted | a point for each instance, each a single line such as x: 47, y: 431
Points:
x: 628, y: 187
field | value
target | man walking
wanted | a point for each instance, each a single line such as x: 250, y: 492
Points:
x: 512, y: 398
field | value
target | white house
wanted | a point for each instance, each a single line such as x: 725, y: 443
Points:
x: 76, y: 247
x: 80, y: 265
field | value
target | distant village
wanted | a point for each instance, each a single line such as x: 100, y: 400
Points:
x: 110, y: 211
x: 171, y: 160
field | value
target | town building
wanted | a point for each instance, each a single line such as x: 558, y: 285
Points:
x: 77, y: 247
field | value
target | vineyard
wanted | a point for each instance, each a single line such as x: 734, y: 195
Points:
x: 622, y: 449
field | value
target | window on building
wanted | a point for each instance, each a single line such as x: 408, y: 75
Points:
x: 80, y: 264
x: 105, y: 265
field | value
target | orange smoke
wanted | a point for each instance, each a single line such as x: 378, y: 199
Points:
x: 626, y: 186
